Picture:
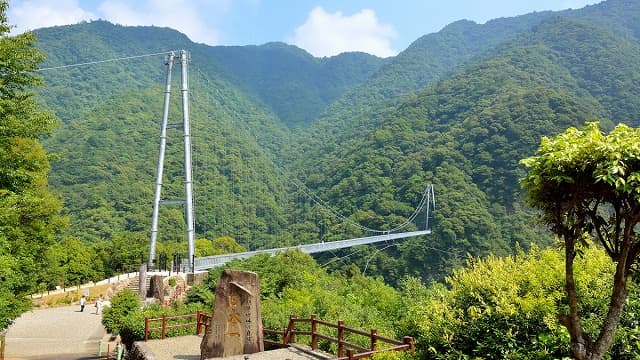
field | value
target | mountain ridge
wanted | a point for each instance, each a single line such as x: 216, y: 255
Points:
x: 457, y: 108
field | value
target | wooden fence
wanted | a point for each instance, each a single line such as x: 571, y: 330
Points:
x: 353, y: 351
x: 166, y: 323
x: 346, y: 350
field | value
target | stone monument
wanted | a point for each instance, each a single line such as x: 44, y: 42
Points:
x: 157, y: 288
x: 142, y: 282
x: 236, y: 326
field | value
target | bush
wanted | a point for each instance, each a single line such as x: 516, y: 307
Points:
x: 508, y: 308
x: 123, y: 305
x: 131, y: 328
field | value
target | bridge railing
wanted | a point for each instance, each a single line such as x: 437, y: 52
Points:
x: 209, y: 262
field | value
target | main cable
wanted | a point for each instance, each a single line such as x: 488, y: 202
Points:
x: 102, y: 61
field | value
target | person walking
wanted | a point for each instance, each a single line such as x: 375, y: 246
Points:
x: 99, y: 305
x: 83, y: 302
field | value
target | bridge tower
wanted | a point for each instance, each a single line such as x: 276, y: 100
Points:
x: 187, y: 201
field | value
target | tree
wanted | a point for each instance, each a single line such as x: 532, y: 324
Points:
x: 587, y: 186
x: 507, y: 308
x: 72, y: 263
x: 29, y: 214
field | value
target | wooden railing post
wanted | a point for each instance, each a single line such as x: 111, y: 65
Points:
x: 340, y: 338
x: 164, y: 326
x: 291, y: 329
x: 374, y: 339
x: 198, y: 314
x: 146, y: 329
x: 314, y: 333
x: 2, y: 343
x: 350, y: 354
x: 409, y: 340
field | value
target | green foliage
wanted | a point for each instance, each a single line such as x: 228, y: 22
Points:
x: 507, y: 308
x: 122, y: 253
x: 71, y: 262
x: 124, y: 305
x: 587, y: 186
x: 294, y: 84
x: 217, y: 246
x: 132, y: 327
x: 29, y: 213
x: 293, y: 283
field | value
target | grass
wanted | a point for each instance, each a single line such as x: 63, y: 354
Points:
x: 71, y: 297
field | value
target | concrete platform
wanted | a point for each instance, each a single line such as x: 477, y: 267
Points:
x: 55, y: 333
x: 188, y: 348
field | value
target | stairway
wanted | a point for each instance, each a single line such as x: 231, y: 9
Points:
x: 134, y: 284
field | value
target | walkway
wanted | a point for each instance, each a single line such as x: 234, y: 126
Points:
x: 56, y: 333
x: 188, y: 348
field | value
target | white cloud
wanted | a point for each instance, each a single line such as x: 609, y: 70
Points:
x: 183, y: 15
x: 34, y: 14
x: 326, y: 34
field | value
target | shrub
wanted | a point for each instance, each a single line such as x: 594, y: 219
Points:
x: 123, y: 305
x: 509, y: 308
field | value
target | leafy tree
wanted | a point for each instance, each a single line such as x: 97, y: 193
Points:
x: 217, y: 246
x: 587, y: 186
x: 227, y: 245
x: 72, y: 263
x: 507, y: 308
x: 123, y: 253
x: 28, y: 212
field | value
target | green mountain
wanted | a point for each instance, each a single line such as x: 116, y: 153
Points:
x: 458, y: 108
x: 296, y: 86
x: 467, y: 133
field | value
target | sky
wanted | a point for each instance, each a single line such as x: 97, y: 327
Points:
x: 321, y: 27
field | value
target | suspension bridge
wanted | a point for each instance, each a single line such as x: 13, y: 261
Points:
x: 182, y: 58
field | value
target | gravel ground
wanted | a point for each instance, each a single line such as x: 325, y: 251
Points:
x: 55, y: 333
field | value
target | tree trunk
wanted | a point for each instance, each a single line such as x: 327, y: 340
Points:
x: 582, y: 348
x: 572, y: 322
x: 618, y: 297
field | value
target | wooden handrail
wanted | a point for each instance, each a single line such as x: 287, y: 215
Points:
x: 201, y: 319
x: 290, y: 333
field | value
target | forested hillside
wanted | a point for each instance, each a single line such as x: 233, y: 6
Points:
x: 468, y: 131
x: 458, y: 108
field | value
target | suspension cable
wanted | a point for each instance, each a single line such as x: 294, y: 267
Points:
x: 426, y: 200
x: 102, y: 61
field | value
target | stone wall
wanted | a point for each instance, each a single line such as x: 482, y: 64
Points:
x: 140, y: 351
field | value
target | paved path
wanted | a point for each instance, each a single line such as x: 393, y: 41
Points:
x: 188, y: 348
x: 56, y: 333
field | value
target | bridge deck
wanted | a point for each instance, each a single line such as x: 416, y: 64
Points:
x: 209, y: 262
